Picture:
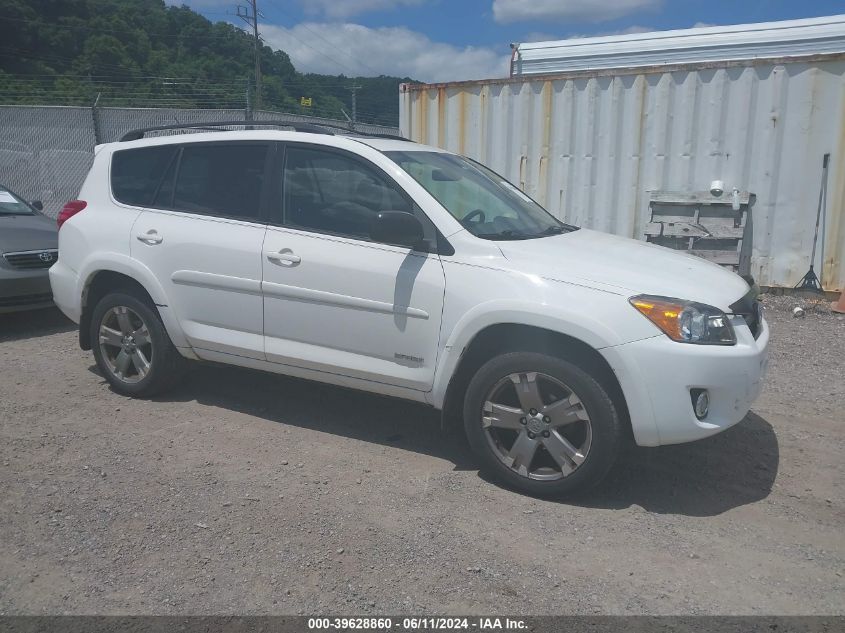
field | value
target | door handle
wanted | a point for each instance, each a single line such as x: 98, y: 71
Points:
x: 150, y: 238
x: 284, y: 257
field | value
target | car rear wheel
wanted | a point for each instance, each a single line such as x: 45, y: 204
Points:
x: 541, y: 424
x: 132, y: 348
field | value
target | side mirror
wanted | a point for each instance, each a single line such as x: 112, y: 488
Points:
x: 38, y: 205
x: 397, y: 227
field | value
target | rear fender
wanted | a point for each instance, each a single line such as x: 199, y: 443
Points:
x: 132, y: 268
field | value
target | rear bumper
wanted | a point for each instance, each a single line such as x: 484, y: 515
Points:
x: 65, y: 286
x: 24, y: 290
x: 657, y: 374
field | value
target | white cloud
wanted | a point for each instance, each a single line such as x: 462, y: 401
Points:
x: 506, y: 11
x: 353, y: 49
x: 341, y: 9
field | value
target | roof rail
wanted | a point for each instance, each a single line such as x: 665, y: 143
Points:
x: 134, y: 135
x: 334, y: 126
x: 312, y: 128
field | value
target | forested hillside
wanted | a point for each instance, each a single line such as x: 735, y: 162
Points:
x: 144, y: 53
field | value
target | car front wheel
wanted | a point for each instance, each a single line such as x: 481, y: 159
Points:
x: 541, y: 424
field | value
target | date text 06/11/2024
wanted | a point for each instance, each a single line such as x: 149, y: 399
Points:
x: 416, y: 624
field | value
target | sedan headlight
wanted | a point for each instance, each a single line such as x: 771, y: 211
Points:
x: 686, y: 321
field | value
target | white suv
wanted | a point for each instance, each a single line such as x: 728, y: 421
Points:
x: 392, y: 267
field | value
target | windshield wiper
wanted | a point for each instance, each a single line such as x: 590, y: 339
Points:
x: 507, y: 234
x: 554, y: 229
x: 510, y: 234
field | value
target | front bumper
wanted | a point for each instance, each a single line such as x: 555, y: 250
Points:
x: 657, y: 374
x: 24, y: 290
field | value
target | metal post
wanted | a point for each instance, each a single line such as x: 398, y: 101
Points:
x: 257, y: 54
x: 248, y: 115
x: 354, y: 90
x: 250, y: 16
x: 95, y: 117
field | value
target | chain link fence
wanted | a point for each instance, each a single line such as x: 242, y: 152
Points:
x: 46, y: 151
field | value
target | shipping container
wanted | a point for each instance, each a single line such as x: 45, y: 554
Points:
x: 591, y: 145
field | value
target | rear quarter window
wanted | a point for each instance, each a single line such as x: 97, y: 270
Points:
x: 137, y: 173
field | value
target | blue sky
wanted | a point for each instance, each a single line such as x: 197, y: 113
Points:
x: 442, y: 40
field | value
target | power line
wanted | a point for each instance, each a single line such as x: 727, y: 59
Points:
x: 250, y: 16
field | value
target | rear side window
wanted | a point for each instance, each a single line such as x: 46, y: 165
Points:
x: 137, y: 173
x: 222, y: 179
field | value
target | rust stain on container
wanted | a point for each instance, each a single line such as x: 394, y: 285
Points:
x: 483, y: 97
x: 835, y: 248
x: 421, y: 99
x: 462, y: 120
x: 523, y: 159
x: 441, y: 117
x: 641, y: 118
x: 542, y: 184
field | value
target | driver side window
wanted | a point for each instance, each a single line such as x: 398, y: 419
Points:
x: 332, y: 193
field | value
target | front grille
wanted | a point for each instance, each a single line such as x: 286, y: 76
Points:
x: 32, y: 259
x: 25, y: 300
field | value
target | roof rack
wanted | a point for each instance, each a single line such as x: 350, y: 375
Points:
x: 321, y: 128
x: 333, y: 126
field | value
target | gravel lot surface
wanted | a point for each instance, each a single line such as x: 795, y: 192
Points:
x: 244, y: 492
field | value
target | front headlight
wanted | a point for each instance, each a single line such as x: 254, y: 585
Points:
x: 686, y: 321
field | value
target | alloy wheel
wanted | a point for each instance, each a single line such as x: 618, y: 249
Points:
x: 125, y: 344
x: 537, y: 426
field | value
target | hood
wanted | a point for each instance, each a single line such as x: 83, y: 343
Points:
x: 626, y: 266
x: 27, y: 233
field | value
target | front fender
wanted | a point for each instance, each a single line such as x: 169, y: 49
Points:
x: 579, y: 324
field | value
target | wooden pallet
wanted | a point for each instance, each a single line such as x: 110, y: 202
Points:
x: 704, y: 225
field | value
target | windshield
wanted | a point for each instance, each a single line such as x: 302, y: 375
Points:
x: 486, y: 204
x: 10, y: 204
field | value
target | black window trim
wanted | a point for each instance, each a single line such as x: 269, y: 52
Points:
x: 442, y: 246
x: 264, y: 197
x: 175, y: 149
x: 174, y: 162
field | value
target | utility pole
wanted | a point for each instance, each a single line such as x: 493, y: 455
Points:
x: 354, y: 88
x: 249, y: 14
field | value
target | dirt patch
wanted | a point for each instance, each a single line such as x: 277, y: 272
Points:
x: 244, y: 492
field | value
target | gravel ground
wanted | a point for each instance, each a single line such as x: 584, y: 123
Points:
x: 244, y: 492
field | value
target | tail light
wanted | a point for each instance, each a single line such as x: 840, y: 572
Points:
x: 69, y: 210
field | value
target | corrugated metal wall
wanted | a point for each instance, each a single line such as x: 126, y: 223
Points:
x: 590, y: 146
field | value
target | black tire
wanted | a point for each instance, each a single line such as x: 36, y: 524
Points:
x: 166, y: 365
x: 491, y: 447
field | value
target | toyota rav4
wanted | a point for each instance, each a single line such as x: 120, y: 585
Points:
x: 388, y: 266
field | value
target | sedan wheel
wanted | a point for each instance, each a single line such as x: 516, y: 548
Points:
x: 537, y: 426
x: 125, y: 344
